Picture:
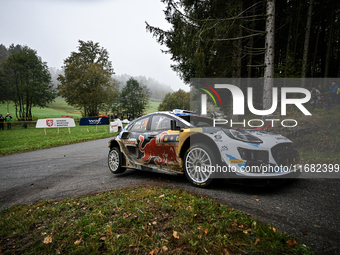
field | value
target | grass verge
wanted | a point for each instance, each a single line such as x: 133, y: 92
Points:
x: 20, y: 140
x: 138, y: 221
x: 316, y: 137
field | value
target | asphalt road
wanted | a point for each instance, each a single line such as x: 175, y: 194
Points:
x: 307, y: 209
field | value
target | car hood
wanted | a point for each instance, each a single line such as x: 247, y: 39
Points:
x: 265, y: 136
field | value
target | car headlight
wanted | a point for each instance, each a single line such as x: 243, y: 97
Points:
x: 241, y: 135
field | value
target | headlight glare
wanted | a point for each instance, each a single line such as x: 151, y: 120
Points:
x: 242, y: 135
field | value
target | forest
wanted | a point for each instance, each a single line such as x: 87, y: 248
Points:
x: 218, y: 38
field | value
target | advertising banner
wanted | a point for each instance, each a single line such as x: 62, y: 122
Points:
x: 116, y: 126
x: 55, y: 123
x: 94, y: 121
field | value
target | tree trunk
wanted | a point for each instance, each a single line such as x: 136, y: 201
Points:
x: 316, y: 48
x: 269, y: 55
x: 288, y: 54
x: 237, y: 56
x: 329, y: 45
x: 296, y: 37
x: 250, y: 60
x: 306, y: 44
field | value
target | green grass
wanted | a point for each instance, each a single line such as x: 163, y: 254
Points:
x: 153, y: 107
x: 21, y: 140
x: 59, y: 108
x: 138, y: 221
x: 316, y: 137
x: 310, y: 156
x: 54, y: 110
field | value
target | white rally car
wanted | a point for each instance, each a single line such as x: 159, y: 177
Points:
x: 181, y: 142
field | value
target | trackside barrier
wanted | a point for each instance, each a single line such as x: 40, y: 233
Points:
x: 56, y: 123
x: 116, y: 126
x: 94, y: 121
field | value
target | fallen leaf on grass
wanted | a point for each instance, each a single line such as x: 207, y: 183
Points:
x: 77, y: 242
x: 125, y: 215
x: 274, y: 229
x: 164, y: 248
x: 247, y: 231
x: 175, y: 234
x: 292, y: 243
x: 47, y: 240
x: 205, y: 232
x: 161, y: 196
x: 103, y: 238
x: 257, y: 241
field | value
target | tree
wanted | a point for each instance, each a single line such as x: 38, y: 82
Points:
x: 205, y: 39
x: 269, y: 55
x: 112, y: 93
x: 87, y: 78
x: 3, y: 53
x: 26, y: 81
x: 176, y: 100
x: 134, y: 97
x: 306, y: 43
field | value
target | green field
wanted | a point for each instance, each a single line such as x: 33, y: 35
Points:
x: 54, y: 110
x: 59, y: 108
x: 153, y: 107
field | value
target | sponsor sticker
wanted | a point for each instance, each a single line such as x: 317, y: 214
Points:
x: 233, y: 161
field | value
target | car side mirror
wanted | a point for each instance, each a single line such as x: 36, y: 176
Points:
x: 173, y: 125
x: 125, y: 135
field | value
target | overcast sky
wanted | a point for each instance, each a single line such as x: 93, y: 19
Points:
x: 53, y: 28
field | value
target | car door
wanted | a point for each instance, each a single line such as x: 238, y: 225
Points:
x: 134, y: 137
x: 159, y: 148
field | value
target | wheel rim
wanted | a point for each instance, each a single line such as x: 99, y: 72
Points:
x: 114, y: 160
x: 197, y: 160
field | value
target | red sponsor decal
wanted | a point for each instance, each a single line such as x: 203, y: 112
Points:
x: 49, y: 123
x: 155, y: 149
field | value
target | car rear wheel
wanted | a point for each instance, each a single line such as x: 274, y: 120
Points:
x: 115, y: 161
x: 198, y: 160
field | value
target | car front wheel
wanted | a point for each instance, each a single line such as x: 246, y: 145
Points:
x: 198, y: 160
x: 115, y: 161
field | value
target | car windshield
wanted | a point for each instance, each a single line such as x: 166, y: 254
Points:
x: 197, y: 121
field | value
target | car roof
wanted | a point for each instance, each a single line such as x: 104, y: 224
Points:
x: 175, y: 113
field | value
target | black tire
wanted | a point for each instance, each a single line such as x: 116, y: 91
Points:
x: 199, y: 155
x: 115, y: 161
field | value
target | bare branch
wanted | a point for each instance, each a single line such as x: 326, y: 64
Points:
x: 236, y: 38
